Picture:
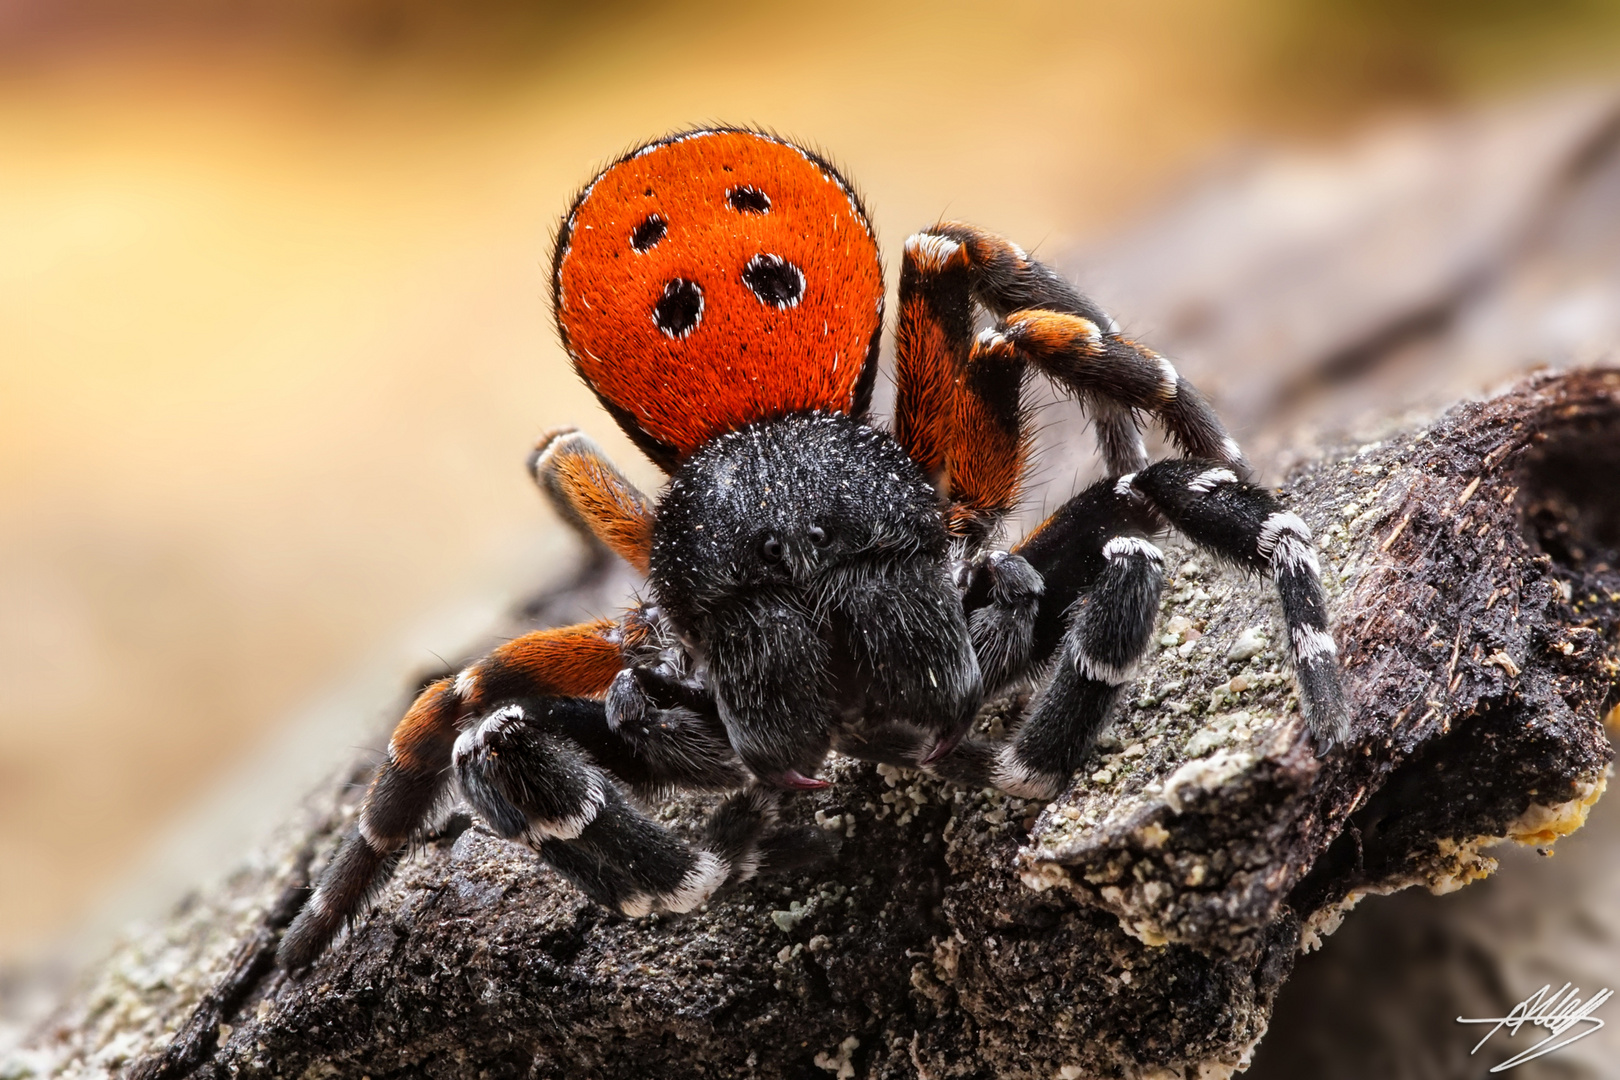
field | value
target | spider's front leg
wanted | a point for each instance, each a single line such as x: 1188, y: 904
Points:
x: 1100, y: 586
x: 549, y: 771
x: 409, y: 787
x: 524, y: 734
x: 1100, y: 583
x: 526, y: 770
x: 1245, y: 524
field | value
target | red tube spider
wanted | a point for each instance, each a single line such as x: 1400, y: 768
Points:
x: 814, y: 583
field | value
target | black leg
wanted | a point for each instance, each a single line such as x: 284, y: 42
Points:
x: 1246, y: 524
x: 1108, y: 629
x: 1003, y: 601
x: 1085, y: 586
x: 531, y: 782
x: 399, y: 803
x: 664, y: 735
x: 1026, y: 595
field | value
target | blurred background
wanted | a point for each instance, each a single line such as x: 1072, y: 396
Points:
x: 274, y: 337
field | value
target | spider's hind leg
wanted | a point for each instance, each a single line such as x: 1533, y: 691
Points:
x: 957, y: 412
x: 1045, y: 321
x: 403, y: 796
x: 590, y: 493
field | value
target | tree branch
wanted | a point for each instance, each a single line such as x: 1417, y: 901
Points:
x: 1145, y: 919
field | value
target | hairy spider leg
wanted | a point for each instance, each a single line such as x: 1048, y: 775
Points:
x: 732, y: 837
x: 404, y: 793
x: 957, y: 407
x: 1107, y: 629
x: 932, y: 340
x: 590, y: 493
x: 1008, y: 281
x: 535, y: 771
x: 1086, y: 585
x: 988, y: 448
x: 1078, y: 344
x: 409, y: 786
x: 1241, y: 523
x: 541, y: 736
x: 1245, y: 524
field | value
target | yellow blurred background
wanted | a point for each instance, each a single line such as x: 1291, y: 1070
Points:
x: 273, y: 331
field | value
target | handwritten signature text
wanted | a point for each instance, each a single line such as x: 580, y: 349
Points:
x: 1563, y: 1014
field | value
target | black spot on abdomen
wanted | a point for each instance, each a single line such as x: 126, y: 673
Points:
x: 774, y: 280
x: 649, y: 232
x: 680, y: 309
x: 748, y: 200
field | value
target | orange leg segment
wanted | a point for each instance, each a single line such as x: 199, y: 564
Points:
x: 988, y: 444
x: 956, y: 409
x: 572, y: 661
x: 593, y: 496
x: 932, y: 343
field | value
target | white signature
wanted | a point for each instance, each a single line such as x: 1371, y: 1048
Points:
x: 1557, y: 1012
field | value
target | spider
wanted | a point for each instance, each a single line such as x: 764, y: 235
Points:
x: 814, y: 583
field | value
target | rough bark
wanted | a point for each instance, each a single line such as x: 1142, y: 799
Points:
x: 1144, y: 921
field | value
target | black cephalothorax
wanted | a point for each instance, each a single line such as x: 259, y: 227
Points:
x: 804, y: 561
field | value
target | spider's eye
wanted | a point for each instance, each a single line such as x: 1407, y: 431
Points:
x: 679, y: 310
x: 771, y: 548
x: 748, y: 200
x: 649, y: 232
x: 818, y: 536
x: 774, y: 280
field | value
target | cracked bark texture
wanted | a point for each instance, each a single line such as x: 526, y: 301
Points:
x: 1142, y: 924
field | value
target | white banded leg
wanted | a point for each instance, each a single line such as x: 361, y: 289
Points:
x: 1109, y: 627
x: 1245, y: 523
x: 535, y: 785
